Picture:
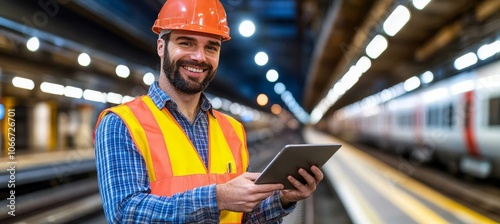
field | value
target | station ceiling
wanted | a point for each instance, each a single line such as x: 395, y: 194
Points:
x: 310, y: 43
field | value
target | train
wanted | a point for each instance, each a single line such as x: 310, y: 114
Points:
x: 454, y: 122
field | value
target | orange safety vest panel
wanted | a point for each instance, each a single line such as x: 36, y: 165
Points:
x: 172, y: 161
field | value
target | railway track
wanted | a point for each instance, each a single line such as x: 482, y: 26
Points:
x: 66, y: 203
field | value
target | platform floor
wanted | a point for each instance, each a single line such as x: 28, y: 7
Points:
x: 373, y: 192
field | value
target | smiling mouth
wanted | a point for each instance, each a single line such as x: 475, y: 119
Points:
x: 194, y: 70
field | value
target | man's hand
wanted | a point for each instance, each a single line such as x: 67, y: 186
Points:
x: 241, y: 194
x: 302, y: 191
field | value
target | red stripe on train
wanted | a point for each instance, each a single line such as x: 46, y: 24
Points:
x: 470, y: 138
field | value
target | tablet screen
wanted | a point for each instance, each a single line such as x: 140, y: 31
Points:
x: 291, y: 158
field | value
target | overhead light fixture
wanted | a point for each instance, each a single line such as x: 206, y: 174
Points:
x: 261, y: 58
x: 73, y: 92
x: 114, y: 98
x: 52, y: 88
x: 216, y: 103
x: 420, y: 4
x: 272, y: 75
x: 465, y: 61
x: 276, y: 109
x: 93, y: 95
x: 247, y: 28
x: 488, y: 50
x: 122, y: 71
x: 363, y: 64
x: 398, y: 18
x: 262, y: 99
x: 23, y: 83
x: 279, y: 88
x: 235, y: 108
x: 148, y: 78
x: 84, y: 59
x: 33, y: 44
x: 376, y: 46
x: 427, y: 77
x: 411, y: 83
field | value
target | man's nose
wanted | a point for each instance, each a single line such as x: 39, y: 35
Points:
x: 199, y: 55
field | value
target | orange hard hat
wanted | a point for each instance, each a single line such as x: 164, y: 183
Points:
x: 206, y: 16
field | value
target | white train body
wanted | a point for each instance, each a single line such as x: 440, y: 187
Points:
x: 456, y: 121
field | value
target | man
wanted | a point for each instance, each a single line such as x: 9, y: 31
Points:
x: 168, y: 156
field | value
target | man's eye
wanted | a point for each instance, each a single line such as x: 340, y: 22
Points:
x: 185, y: 44
x: 211, y: 48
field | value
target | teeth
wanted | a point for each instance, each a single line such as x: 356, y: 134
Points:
x: 193, y: 69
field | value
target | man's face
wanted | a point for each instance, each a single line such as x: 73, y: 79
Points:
x: 190, y: 60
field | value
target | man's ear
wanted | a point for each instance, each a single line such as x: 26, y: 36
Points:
x: 160, y: 47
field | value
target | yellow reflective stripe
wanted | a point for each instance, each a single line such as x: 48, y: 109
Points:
x: 183, y: 156
x: 230, y: 217
x: 138, y: 135
x: 238, y: 127
x: 220, y: 155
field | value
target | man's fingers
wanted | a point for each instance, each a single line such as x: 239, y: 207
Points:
x: 251, y: 176
x: 310, y: 179
x: 318, y: 175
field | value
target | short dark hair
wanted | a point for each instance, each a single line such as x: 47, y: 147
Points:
x: 166, y: 37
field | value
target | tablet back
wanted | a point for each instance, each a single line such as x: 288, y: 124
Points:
x: 291, y: 158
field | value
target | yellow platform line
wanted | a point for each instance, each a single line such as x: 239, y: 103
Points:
x: 404, y: 201
x: 358, y: 208
x: 458, y: 210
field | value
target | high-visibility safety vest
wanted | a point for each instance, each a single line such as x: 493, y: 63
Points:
x: 172, y: 161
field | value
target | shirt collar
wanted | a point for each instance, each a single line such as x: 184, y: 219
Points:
x: 162, y: 99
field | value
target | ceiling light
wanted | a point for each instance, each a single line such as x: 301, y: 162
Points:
x: 84, y: 59
x: 73, y: 92
x: 216, y: 103
x: 427, y: 77
x: 279, y: 88
x: 465, y: 61
x: 376, y: 46
x: 276, y: 109
x: 235, y: 108
x: 411, y: 83
x: 247, y: 28
x: 363, y: 64
x: 114, y: 98
x: 488, y: 50
x: 398, y: 18
x: 262, y: 99
x: 122, y: 71
x: 261, y: 58
x: 148, y: 78
x: 420, y: 4
x: 23, y: 83
x: 33, y: 44
x: 272, y: 75
x: 94, y: 95
x: 52, y: 88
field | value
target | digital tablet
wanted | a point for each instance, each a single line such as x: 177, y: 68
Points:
x: 291, y: 158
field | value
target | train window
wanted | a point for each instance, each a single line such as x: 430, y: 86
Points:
x: 448, y: 113
x: 494, y: 116
x: 405, y: 120
x: 432, y: 118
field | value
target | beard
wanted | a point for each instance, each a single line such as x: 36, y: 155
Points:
x: 191, y: 85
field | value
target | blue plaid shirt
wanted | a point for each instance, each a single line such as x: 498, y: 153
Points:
x: 124, y: 182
